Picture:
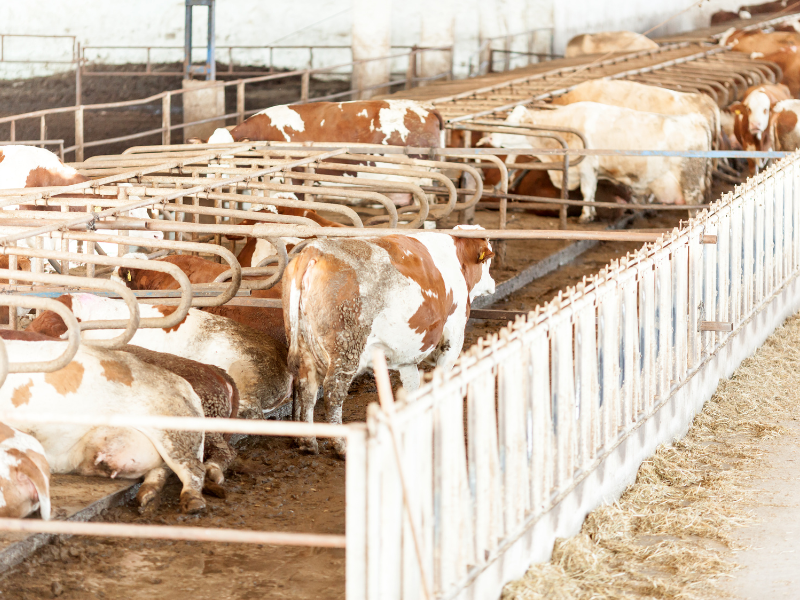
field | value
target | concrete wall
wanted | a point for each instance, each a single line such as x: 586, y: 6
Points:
x: 305, y: 22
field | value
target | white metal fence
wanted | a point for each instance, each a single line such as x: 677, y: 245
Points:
x: 551, y: 418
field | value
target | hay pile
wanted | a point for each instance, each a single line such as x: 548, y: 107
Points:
x: 668, y: 536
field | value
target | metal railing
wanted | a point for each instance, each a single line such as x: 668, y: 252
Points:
x: 562, y: 406
x: 503, y: 53
x: 165, y: 99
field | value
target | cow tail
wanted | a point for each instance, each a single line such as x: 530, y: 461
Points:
x: 297, y: 284
x: 439, y: 117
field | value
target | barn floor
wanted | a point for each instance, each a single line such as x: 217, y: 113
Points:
x: 271, y: 486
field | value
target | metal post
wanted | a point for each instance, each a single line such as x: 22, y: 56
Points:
x: 240, y: 102
x: 42, y: 129
x: 490, y: 65
x: 187, y: 42
x: 211, y: 60
x: 166, y: 119
x: 411, y: 73
x: 147, y: 67
x: 305, y: 80
x: 78, y: 83
x: 13, y: 134
x: 79, y: 134
x: 562, y: 212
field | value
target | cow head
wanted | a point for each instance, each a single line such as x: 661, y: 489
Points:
x: 475, y: 256
x: 757, y: 107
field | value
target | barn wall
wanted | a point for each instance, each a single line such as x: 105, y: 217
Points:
x: 305, y: 22
x: 574, y: 17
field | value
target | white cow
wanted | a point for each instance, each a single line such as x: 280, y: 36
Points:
x: 669, y: 180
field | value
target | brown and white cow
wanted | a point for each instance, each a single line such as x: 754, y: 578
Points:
x: 101, y: 382
x: 256, y: 362
x: 29, y: 166
x: 387, y: 122
x: 784, y: 132
x: 608, y: 41
x: 670, y: 180
x: 757, y: 43
x: 407, y: 295
x: 24, y: 475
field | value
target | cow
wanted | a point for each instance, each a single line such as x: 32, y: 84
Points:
x: 257, y: 363
x: 765, y: 7
x: 649, y: 98
x: 757, y: 43
x: 724, y: 16
x: 199, y: 270
x: 386, y: 122
x: 670, y: 180
x: 218, y: 395
x: 407, y: 295
x: 29, y: 166
x: 751, y: 117
x: 23, y: 264
x: 783, y: 133
x: 101, y: 382
x: 608, y: 41
x: 24, y: 475
x: 788, y: 60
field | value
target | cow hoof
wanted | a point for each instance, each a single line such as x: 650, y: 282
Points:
x: 340, y: 447
x: 213, y: 489
x: 308, y: 445
x: 146, y: 496
x: 191, y: 504
x: 214, y: 473
x: 583, y: 219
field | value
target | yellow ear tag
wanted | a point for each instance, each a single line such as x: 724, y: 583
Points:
x: 483, y: 254
x: 98, y: 208
x: 737, y: 111
x: 129, y: 275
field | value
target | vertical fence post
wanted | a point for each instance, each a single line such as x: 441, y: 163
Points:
x: 12, y: 136
x: 239, y: 102
x: 166, y: 119
x: 79, y: 134
x: 304, y: 84
x: 42, y: 129
x: 411, y: 72
x: 355, y: 515
x: 78, y: 74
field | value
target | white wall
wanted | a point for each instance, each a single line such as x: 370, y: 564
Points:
x: 305, y: 22
x: 573, y: 17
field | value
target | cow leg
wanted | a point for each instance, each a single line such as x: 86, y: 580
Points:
x: 219, y: 456
x: 588, y: 190
x: 307, y: 385
x: 409, y: 376
x: 183, y: 451
x: 336, y: 385
x: 151, y: 486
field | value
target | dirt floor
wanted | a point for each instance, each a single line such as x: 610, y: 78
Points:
x: 28, y: 95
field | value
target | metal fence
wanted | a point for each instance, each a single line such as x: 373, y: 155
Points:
x: 542, y: 423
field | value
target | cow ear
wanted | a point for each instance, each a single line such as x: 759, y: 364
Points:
x: 485, y: 254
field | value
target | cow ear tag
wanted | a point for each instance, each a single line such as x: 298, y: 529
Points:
x: 129, y: 275
x: 482, y: 256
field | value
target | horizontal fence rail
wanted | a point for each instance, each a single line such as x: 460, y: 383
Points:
x: 540, y: 424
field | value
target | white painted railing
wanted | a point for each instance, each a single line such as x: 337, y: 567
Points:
x: 560, y: 409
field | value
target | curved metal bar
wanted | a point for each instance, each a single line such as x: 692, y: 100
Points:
x: 283, y: 260
x: 345, y: 211
x: 133, y: 263
x: 46, y: 366
x: 129, y: 326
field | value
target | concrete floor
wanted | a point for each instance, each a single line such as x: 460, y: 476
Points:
x: 771, y: 561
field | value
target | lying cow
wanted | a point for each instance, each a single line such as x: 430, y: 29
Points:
x: 25, y: 475
x: 388, y: 122
x: 670, y: 180
x: 218, y: 395
x: 257, y: 363
x: 408, y: 295
x: 724, y: 16
x: 200, y: 270
x: 758, y: 42
x: 29, y: 166
x: 100, y: 382
x: 608, y: 41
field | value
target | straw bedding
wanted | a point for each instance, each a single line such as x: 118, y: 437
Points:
x: 669, y: 535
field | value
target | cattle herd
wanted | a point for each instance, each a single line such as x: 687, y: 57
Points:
x: 407, y: 295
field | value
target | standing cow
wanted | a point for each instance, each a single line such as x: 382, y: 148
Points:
x: 407, y: 295
x: 670, y: 180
